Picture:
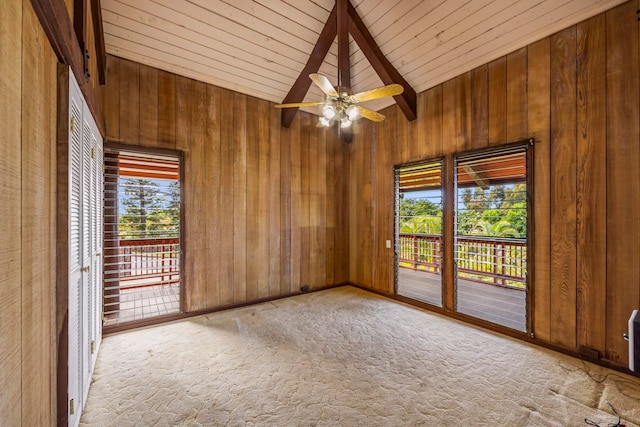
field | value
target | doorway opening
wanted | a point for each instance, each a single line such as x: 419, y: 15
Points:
x: 419, y: 232
x: 142, y: 254
x: 490, y: 236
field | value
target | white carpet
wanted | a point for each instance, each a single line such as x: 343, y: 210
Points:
x: 344, y: 357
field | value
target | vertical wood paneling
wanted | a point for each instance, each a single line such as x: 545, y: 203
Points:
x: 129, y: 105
x: 378, y: 272
x: 434, y: 121
x: 420, y: 147
x: 318, y: 206
x: 332, y: 178
x: 111, y: 99
x: 498, y: 101
x: 28, y: 90
x: 342, y: 201
x: 253, y: 246
x: 517, y: 95
x: 239, y: 197
x: 295, y: 189
x: 195, y: 208
x: 385, y: 158
x: 38, y: 75
x: 52, y: 99
x: 591, y: 184
x: 10, y: 209
x: 285, y: 207
x: 623, y: 175
x: 403, y: 139
x: 213, y: 155
x: 538, y: 111
x: 479, y: 137
x: 264, y: 195
x: 563, y: 188
x: 148, y: 106
x: 306, y: 134
x: 276, y: 273
x: 365, y: 191
x: 166, y: 110
x: 355, y: 153
x: 182, y: 105
x: 224, y: 210
x: 456, y: 128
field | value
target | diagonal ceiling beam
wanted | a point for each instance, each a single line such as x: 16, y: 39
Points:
x: 387, y: 73
x: 301, y: 86
x: 344, y: 67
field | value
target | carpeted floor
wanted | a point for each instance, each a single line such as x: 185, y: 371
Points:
x: 344, y: 357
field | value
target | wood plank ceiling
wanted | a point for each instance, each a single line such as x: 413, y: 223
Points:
x: 259, y: 47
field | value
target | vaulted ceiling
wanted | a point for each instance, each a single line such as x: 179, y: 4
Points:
x: 259, y: 47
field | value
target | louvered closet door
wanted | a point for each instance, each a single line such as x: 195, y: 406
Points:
x: 86, y: 256
x: 75, y: 261
x: 85, y: 250
x: 95, y: 315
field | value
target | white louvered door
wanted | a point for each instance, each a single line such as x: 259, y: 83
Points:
x: 85, y: 250
x: 95, y: 317
x: 75, y: 258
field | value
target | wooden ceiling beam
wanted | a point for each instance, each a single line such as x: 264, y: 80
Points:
x: 387, y: 73
x: 344, y: 67
x: 101, y: 51
x: 303, y: 82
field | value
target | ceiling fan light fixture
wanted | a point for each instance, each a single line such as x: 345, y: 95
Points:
x: 352, y: 112
x: 328, y: 111
x: 345, y: 122
x: 325, y: 122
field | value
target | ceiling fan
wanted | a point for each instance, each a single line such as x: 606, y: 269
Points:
x: 342, y: 107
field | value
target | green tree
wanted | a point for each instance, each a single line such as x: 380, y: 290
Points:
x: 419, y: 215
x: 141, y: 202
x: 500, y: 210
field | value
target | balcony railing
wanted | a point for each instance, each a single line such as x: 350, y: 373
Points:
x: 496, y: 261
x: 149, y: 261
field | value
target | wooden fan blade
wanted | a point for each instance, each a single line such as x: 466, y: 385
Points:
x: 324, y: 84
x: 299, y: 104
x: 370, y: 114
x: 381, y: 92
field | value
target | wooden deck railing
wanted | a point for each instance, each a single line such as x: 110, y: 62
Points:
x: 497, y: 261
x: 150, y: 259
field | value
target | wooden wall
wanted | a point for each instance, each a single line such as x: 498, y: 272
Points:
x: 577, y: 93
x: 265, y: 207
x: 27, y: 180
